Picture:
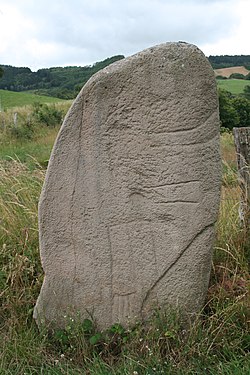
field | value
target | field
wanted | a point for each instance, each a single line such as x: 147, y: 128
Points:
x: 218, y: 342
x: 10, y: 99
x: 235, y: 86
x: 226, y: 72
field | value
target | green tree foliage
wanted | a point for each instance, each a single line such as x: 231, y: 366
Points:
x: 237, y: 76
x: 234, y: 110
x: 63, y: 83
x: 221, y: 77
x: 242, y: 106
x: 247, y: 92
x: 1, y: 72
x: 225, y: 61
x: 228, y: 115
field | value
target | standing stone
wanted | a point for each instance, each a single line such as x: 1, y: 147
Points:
x: 131, y: 195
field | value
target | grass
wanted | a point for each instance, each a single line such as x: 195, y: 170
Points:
x: 218, y: 342
x: 30, y: 141
x: 235, y: 86
x: 31, y: 153
x: 11, y: 99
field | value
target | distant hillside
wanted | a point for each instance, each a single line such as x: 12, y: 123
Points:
x: 58, y: 82
x: 226, y: 61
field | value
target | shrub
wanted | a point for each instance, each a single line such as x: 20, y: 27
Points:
x: 237, y: 76
x: 228, y: 115
x: 247, y: 92
x: 234, y: 110
x: 24, y: 130
x: 221, y: 77
x: 224, y: 130
x: 242, y: 106
x: 48, y: 115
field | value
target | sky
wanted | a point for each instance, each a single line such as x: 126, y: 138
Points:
x: 42, y: 34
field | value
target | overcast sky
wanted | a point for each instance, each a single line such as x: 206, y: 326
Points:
x: 45, y: 33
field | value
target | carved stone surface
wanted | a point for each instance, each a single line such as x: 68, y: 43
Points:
x: 131, y: 195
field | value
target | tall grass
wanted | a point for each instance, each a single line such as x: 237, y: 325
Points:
x: 218, y: 342
x: 27, y: 131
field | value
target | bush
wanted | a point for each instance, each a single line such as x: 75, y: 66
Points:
x: 28, y: 122
x: 234, y: 110
x: 237, y: 76
x: 47, y: 115
x: 246, y: 93
x: 221, y: 77
x: 228, y: 115
x: 19, y: 124
x: 22, y: 132
x: 242, y: 106
x: 224, y: 130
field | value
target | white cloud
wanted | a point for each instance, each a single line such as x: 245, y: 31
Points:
x: 79, y: 32
x: 13, y: 25
x: 236, y: 41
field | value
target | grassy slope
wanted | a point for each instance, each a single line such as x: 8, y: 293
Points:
x: 235, y: 86
x: 9, y: 99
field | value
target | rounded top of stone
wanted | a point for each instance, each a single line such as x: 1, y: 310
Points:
x: 168, y: 51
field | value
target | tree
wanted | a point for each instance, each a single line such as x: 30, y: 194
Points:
x: 246, y: 92
x: 242, y: 106
x: 1, y: 72
x: 228, y: 114
x: 234, y: 110
x: 237, y: 76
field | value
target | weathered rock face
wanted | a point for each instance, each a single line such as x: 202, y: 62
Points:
x: 131, y: 194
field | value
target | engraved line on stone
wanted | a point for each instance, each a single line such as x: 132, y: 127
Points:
x: 172, y: 144
x: 131, y: 256
x: 111, y: 265
x: 166, y: 196
x: 122, y: 305
x: 177, y: 201
x: 126, y: 306
x: 72, y: 201
x: 173, y: 193
x: 172, y: 184
x: 155, y: 259
x: 173, y: 263
x: 114, y: 307
x: 214, y: 113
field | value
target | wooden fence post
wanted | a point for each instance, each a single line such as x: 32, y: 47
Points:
x: 242, y: 145
x: 2, y: 122
x: 15, y: 119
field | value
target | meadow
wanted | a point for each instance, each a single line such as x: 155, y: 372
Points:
x: 33, y: 134
x: 217, y: 342
x: 235, y: 86
x: 11, y: 99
